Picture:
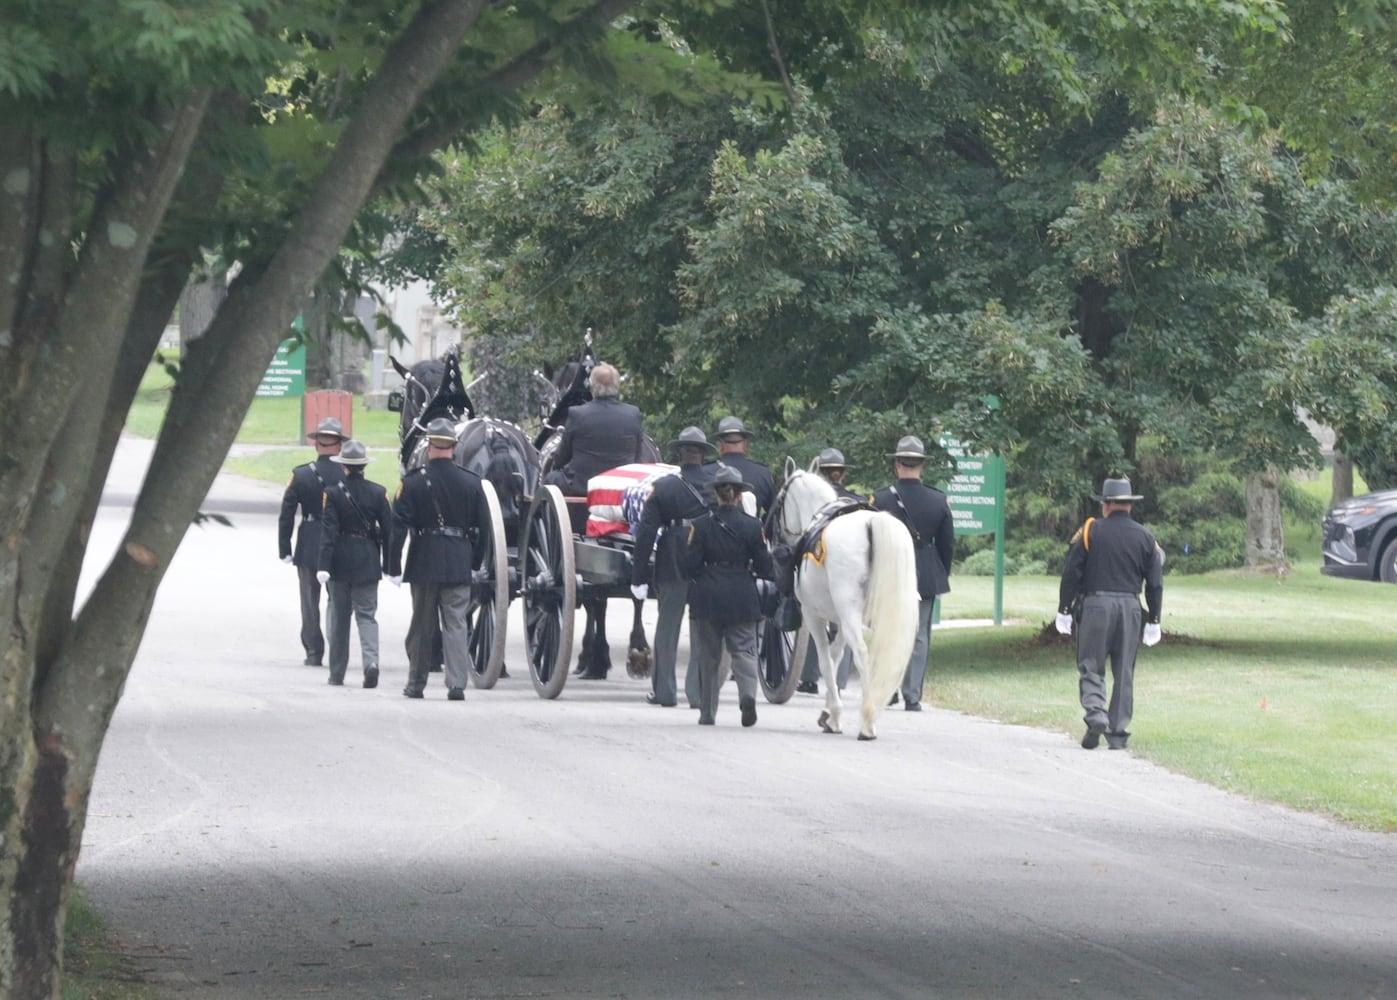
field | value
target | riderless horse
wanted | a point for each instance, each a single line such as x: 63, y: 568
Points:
x: 855, y: 568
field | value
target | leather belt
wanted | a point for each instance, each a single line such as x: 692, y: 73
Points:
x: 1112, y: 593
x: 447, y: 531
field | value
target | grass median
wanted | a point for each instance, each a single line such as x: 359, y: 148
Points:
x: 1278, y: 689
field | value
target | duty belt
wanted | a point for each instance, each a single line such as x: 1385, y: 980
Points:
x: 307, y: 517
x: 447, y: 531
x: 726, y: 565
x: 1112, y: 593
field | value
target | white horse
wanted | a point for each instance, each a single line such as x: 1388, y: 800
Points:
x: 862, y: 577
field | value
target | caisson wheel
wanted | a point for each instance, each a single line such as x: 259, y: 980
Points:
x: 548, y: 589
x: 490, y: 598
x: 780, y: 656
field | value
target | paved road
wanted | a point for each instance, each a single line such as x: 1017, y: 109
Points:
x: 256, y: 834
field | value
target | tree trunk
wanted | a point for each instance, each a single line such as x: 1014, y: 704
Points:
x: 1343, y: 478
x: 1265, y: 529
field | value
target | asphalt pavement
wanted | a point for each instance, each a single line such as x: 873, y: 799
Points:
x: 255, y: 833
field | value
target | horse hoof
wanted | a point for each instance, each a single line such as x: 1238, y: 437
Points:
x: 824, y: 717
x: 863, y: 737
x: 638, y: 664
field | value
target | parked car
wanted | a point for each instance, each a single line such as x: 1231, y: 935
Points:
x: 1360, y: 538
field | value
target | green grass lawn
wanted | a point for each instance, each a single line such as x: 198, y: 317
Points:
x: 1283, y: 690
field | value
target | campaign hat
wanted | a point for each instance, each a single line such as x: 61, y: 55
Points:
x: 726, y: 475
x: 352, y: 453
x: 327, y: 427
x: 832, y: 458
x: 909, y: 446
x: 732, y: 426
x: 441, y: 431
x: 1116, y: 491
x: 692, y: 437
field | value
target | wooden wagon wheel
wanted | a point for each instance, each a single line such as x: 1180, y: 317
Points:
x: 548, y: 587
x: 780, y: 659
x: 490, y: 598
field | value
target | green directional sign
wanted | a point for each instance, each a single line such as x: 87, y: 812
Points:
x: 976, y: 496
x: 976, y: 491
x: 286, y: 375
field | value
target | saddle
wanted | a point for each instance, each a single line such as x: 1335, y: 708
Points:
x: 812, y: 544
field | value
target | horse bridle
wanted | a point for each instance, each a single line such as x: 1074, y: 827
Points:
x: 776, y: 516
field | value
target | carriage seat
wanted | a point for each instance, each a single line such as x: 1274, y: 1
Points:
x: 616, y: 497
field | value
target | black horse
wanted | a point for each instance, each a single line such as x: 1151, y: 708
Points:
x: 570, y: 388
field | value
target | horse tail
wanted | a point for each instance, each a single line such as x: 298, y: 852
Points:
x: 890, y: 611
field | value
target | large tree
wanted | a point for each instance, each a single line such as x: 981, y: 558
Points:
x: 137, y: 137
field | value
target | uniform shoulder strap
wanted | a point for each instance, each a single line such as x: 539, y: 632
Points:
x: 1083, y: 535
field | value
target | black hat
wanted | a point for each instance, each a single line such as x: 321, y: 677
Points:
x: 909, y: 447
x: 692, y: 437
x: 832, y: 458
x: 441, y: 431
x: 726, y: 475
x: 327, y: 427
x: 732, y: 425
x: 352, y: 453
x: 1116, y: 491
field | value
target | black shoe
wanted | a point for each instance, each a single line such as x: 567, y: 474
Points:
x: 591, y: 675
x: 504, y: 671
x: 1093, y: 737
x: 336, y: 681
x: 412, y: 692
x: 705, y: 720
x: 808, y: 687
x: 314, y: 661
x: 749, y: 710
x: 371, y: 677
x: 456, y: 694
x: 895, y: 699
x: 1116, y: 741
x: 651, y: 699
x: 914, y: 706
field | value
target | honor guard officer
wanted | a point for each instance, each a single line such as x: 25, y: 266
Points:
x: 832, y: 466
x: 673, y: 501
x: 356, y: 536
x: 1109, y: 559
x: 598, y: 435
x: 726, y: 554
x: 442, y: 507
x: 306, y: 492
x: 927, y: 514
x: 732, y: 452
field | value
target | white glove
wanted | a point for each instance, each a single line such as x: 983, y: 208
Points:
x: 396, y: 581
x: 1152, y: 635
x: 1063, y: 623
x: 287, y: 559
x: 640, y: 590
x: 322, y: 577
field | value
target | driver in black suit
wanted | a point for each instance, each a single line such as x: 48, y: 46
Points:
x: 597, y: 436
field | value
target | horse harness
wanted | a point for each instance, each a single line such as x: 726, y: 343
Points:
x: 812, y: 543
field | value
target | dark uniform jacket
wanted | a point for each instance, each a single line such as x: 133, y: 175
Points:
x: 755, y: 475
x: 356, y: 531
x: 674, y: 500
x: 306, y: 490
x: 927, y: 514
x: 1113, y: 555
x: 442, y: 507
x: 597, y: 436
x: 726, y: 553
x: 846, y: 494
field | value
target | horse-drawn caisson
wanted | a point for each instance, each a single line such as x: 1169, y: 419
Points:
x: 541, y: 552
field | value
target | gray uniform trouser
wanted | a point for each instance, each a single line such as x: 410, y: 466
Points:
x: 670, y: 598
x: 311, y: 639
x: 449, y: 603
x: 915, y: 676
x: 1110, y: 628
x: 361, y: 600
x: 707, y: 641
x: 811, y: 671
